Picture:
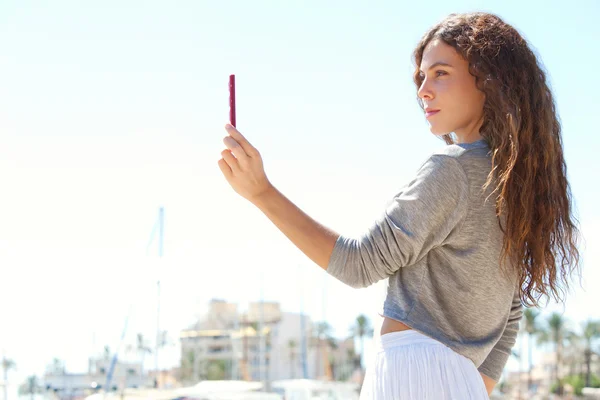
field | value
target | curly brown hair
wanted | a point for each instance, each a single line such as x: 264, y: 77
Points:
x: 529, y: 174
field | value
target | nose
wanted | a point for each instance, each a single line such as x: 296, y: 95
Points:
x: 425, y: 92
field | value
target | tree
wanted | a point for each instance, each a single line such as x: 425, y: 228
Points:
x: 573, y: 355
x: 532, y: 329
x: 322, y: 336
x: 188, y: 366
x: 555, y: 332
x: 142, y: 349
x: 57, y: 367
x: 30, y: 386
x: 591, y: 331
x: 352, y: 361
x: 292, y: 348
x: 215, y: 370
x: 7, y: 364
x: 519, y: 355
x: 362, y: 328
x: 164, y: 340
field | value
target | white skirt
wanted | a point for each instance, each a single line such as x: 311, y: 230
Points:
x: 409, y: 365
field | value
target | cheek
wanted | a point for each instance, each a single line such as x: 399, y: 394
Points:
x: 472, y: 96
x: 451, y: 97
x: 468, y: 99
x: 451, y: 92
x: 475, y: 102
x: 442, y: 87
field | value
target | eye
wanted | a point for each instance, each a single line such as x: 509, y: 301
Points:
x: 440, y: 73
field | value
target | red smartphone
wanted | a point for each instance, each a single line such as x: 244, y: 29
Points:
x: 232, y: 100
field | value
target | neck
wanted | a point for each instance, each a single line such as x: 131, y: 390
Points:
x: 470, y: 133
x: 468, y: 139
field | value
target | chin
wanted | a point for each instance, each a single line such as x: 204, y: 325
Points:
x: 437, y: 131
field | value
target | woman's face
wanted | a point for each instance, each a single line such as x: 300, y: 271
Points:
x: 450, y: 96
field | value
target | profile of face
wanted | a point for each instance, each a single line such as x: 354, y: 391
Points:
x: 451, y: 99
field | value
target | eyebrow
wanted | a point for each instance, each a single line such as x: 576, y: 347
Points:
x: 438, y: 64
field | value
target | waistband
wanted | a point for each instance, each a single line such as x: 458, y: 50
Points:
x: 405, y: 338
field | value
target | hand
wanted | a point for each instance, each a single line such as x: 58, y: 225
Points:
x: 242, y: 166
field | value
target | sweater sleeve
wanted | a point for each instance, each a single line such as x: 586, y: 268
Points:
x: 422, y: 216
x: 494, y: 363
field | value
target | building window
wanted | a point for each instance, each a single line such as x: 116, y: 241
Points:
x: 216, y: 349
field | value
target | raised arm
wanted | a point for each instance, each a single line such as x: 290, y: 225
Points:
x: 242, y: 166
x: 421, y: 217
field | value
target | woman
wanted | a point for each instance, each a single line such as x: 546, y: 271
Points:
x: 484, y: 226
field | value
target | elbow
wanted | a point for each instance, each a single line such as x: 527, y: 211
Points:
x: 360, y: 284
x: 355, y: 263
x: 350, y: 276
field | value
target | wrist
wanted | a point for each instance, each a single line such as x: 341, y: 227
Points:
x: 264, y: 197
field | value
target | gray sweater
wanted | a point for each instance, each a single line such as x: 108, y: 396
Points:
x: 439, y: 243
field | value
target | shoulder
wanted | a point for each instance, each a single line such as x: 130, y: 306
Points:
x: 444, y: 162
x: 441, y: 173
x: 456, y: 163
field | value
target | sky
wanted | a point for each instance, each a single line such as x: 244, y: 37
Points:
x: 110, y: 110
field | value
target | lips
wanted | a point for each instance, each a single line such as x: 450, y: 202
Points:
x: 430, y: 112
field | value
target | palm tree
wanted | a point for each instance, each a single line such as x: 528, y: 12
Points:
x: 164, y: 340
x: 322, y: 334
x: 58, y: 366
x: 519, y: 355
x: 7, y: 364
x: 361, y: 329
x: 332, y: 344
x: 556, y: 332
x: 591, y: 331
x: 532, y: 329
x: 292, y: 348
x: 142, y: 349
x: 573, y: 356
x: 352, y: 362
x: 32, y: 385
x: 106, y: 353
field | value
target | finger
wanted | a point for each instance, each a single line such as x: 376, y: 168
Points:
x: 231, y: 161
x: 225, y: 169
x: 235, y: 148
x: 234, y: 133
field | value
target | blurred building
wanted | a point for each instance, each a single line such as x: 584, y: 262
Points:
x: 69, y: 385
x: 261, y: 343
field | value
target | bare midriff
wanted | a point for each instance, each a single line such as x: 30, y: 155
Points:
x: 391, y: 325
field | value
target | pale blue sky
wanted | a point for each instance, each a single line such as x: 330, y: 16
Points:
x: 110, y: 110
